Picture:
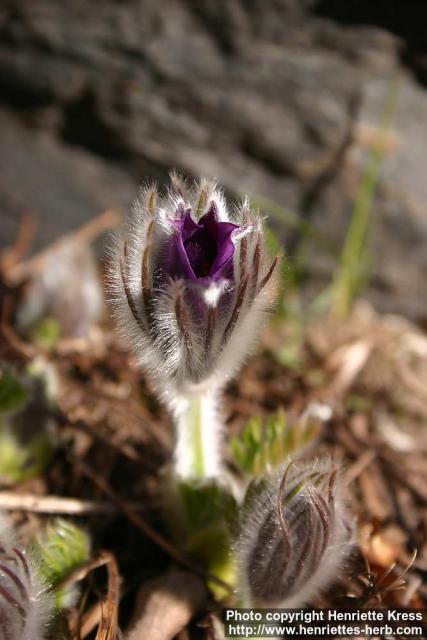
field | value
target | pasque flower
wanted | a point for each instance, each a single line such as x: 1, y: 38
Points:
x: 191, y: 284
x: 295, y: 535
x: 25, y: 604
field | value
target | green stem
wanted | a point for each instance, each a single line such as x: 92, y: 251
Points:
x: 197, y: 452
x: 195, y: 423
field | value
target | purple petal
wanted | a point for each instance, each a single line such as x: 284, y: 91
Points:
x: 201, y: 251
x: 224, y: 244
x: 180, y: 261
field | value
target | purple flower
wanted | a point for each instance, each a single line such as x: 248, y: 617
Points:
x: 191, y: 284
x: 202, y: 251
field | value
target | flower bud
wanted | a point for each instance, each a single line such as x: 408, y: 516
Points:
x: 191, y: 283
x: 295, y: 535
x: 24, y: 603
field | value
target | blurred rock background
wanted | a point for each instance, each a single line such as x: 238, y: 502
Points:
x: 277, y: 98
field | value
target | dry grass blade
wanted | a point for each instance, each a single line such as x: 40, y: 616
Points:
x: 374, y: 587
x: 399, y: 582
x: 108, y: 612
x: 108, y: 628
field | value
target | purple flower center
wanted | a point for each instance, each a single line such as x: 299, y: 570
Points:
x: 202, y: 250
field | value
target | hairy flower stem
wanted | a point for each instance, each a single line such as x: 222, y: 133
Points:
x: 197, y: 452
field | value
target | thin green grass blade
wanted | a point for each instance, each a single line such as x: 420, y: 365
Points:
x: 353, y: 271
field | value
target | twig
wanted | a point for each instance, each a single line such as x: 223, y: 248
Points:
x: 363, y: 461
x: 106, y: 220
x: 10, y: 501
x: 24, y: 349
x: 13, y: 254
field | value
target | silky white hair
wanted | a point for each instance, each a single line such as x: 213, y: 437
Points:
x: 25, y: 604
x: 295, y: 535
x: 188, y: 335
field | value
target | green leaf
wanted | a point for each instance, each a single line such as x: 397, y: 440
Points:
x: 262, y: 447
x: 27, y: 437
x: 22, y: 461
x: 60, y: 549
x: 13, y: 394
x: 202, y: 516
x: 204, y: 503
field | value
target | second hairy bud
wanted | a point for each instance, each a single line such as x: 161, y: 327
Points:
x: 295, y: 535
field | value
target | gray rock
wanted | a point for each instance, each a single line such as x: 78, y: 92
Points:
x: 63, y: 186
